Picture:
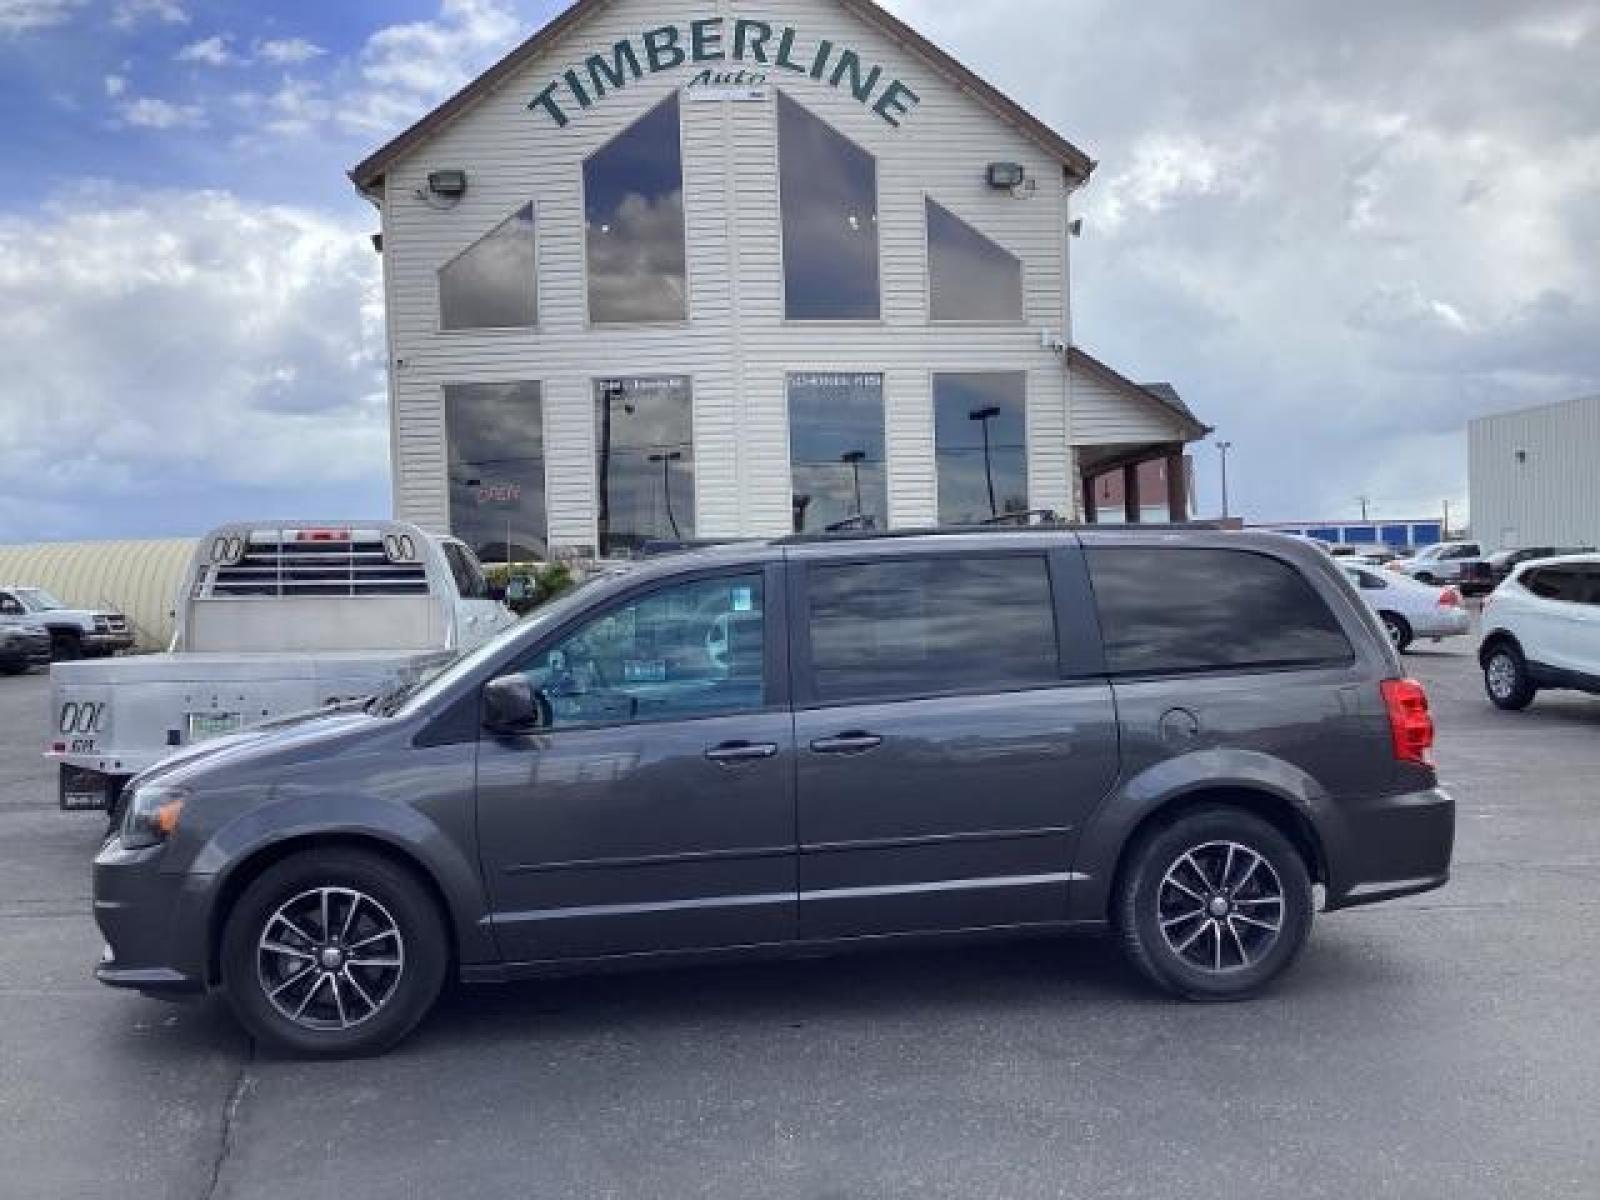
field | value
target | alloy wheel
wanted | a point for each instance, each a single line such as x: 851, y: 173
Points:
x: 330, y: 958
x: 1220, y: 907
x: 1501, y: 676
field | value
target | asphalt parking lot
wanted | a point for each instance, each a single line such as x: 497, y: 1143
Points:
x: 1445, y: 1046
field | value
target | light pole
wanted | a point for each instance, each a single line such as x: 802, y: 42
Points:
x: 983, y: 416
x: 666, y: 458
x: 855, y: 458
x: 1223, y: 448
x: 1362, y: 500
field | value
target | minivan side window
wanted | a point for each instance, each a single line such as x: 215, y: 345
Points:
x: 1164, y: 611
x: 693, y: 649
x: 924, y: 626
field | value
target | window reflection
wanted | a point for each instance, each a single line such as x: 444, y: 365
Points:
x: 981, y: 441
x: 633, y: 218
x: 970, y: 277
x: 496, y: 453
x: 492, y: 283
x: 836, y: 455
x: 644, y: 431
x: 829, y: 189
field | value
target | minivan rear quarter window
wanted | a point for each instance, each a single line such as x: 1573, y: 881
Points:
x: 918, y: 627
x: 1165, y: 610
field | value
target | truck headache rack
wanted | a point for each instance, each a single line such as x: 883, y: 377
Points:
x: 314, y: 562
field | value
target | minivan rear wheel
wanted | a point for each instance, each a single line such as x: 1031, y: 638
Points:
x: 333, y: 953
x: 1214, y: 905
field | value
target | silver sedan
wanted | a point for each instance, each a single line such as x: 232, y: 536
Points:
x: 1409, y: 609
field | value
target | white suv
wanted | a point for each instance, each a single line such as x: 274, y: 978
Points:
x: 1542, y: 630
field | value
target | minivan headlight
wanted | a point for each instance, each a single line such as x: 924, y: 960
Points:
x: 152, y: 815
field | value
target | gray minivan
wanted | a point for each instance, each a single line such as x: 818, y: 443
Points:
x: 805, y: 744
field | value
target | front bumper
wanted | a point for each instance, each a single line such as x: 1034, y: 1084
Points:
x: 1390, y: 847
x: 108, y: 641
x: 154, y: 923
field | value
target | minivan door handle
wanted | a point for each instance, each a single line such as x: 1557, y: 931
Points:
x: 738, y: 752
x: 853, y: 742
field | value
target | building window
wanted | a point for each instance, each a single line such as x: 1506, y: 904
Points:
x: 495, y: 435
x: 633, y: 218
x: 829, y: 189
x: 970, y: 278
x: 644, y: 429
x: 492, y: 284
x: 981, y: 442
x: 836, y: 454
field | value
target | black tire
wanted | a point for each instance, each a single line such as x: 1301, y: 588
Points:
x: 393, y: 896
x: 1251, y: 957
x: 1398, y: 630
x: 14, y: 668
x: 1505, y: 678
x: 65, y: 646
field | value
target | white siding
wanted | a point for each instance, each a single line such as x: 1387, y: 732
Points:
x: 1551, y: 498
x: 1103, y: 416
x: 736, y: 346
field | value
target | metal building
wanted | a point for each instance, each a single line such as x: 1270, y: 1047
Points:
x: 139, y: 579
x: 1535, y: 475
x: 720, y: 268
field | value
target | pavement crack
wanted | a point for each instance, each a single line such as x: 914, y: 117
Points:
x: 230, y: 1111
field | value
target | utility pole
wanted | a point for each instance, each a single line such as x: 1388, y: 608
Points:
x: 1363, y: 502
x: 1223, y: 448
x: 1446, y: 530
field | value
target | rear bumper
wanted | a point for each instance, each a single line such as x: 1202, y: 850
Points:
x: 1391, y: 847
x: 1446, y: 622
x: 154, y: 924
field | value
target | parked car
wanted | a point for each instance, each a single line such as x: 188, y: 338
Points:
x: 1542, y: 630
x: 1479, y: 576
x: 1409, y: 609
x: 272, y: 618
x: 74, y: 632
x: 807, y: 745
x: 1439, y: 563
x: 22, y: 646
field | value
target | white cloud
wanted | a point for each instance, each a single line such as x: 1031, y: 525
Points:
x: 407, y: 69
x: 288, y: 52
x: 116, y: 85
x: 212, y: 52
x: 20, y: 16
x: 150, y: 112
x: 129, y: 13
x: 184, y: 357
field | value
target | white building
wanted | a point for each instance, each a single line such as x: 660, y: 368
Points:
x: 737, y: 267
x: 1535, y: 475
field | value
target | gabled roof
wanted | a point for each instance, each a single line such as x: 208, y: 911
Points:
x: 367, y: 173
x: 1163, y: 394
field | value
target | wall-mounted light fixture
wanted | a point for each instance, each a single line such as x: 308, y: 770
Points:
x: 1075, y: 227
x: 1521, y: 457
x: 1007, y: 176
x: 377, y: 242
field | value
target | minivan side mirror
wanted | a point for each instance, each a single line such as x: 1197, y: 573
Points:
x: 513, y: 705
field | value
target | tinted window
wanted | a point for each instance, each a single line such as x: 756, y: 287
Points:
x: 969, y: 277
x: 491, y: 284
x: 922, y: 626
x: 644, y: 432
x: 1166, y: 610
x: 465, y: 571
x: 829, y: 201
x: 1366, y: 580
x: 692, y: 650
x: 1567, y: 584
x: 633, y: 218
x: 10, y: 605
x: 981, y: 439
x: 836, y: 451
x: 495, y: 435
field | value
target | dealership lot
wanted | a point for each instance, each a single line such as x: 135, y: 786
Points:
x: 1447, y: 1045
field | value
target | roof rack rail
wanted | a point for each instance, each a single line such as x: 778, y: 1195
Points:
x: 858, y: 535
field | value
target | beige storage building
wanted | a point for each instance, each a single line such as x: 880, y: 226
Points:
x: 139, y: 579
x: 730, y: 268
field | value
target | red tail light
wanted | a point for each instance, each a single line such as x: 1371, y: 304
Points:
x: 1410, y: 723
x: 1450, y: 598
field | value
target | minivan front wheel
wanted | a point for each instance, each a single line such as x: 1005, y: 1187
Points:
x: 1215, y: 905
x: 333, y: 953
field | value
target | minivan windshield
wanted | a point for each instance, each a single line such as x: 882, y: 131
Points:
x: 404, y: 703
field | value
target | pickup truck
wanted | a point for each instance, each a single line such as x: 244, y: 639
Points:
x: 272, y: 619
x: 74, y: 632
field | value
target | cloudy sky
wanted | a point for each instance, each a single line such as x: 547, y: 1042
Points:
x: 1341, y: 230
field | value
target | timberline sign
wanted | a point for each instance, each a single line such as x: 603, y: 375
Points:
x: 765, y: 50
